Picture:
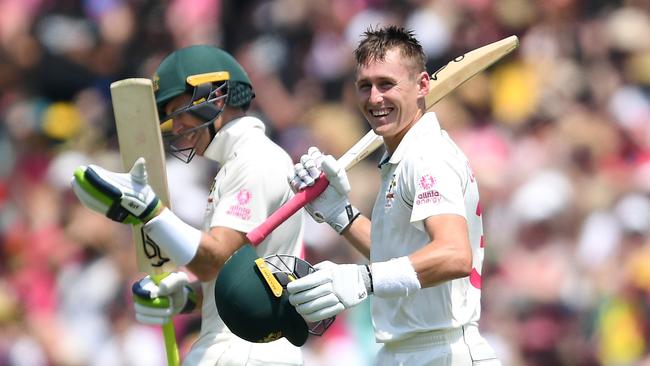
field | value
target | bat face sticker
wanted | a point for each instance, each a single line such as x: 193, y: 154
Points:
x: 152, y: 251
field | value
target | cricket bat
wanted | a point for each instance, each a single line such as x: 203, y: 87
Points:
x: 138, y: 132
x: 443, y: 82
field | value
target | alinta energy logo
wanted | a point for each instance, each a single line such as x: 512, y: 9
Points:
x: 243, y: 197
x: 430, y: 195
x: 427, y: 181
x: 238, y: 210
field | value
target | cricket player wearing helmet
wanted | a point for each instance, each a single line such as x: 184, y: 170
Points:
x: 425, y: 241
x: 203, y: 95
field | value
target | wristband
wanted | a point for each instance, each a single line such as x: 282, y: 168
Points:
x: 179, y: 240
x: 344, y: 219
x: 394, y: 278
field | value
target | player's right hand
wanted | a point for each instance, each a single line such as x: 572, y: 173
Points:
x: 332, y: 206
x: 157, y: 304
x: 122, y: 197
x: 328, y: 291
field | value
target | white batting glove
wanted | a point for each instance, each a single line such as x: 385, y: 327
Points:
x: 332, y: 206
x: 122, y: 197
x: 157, y: 304
x: 330, y: 290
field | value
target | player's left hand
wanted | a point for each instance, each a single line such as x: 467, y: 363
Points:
x: 328, y: 291
x: 122, y: 197
x: 156, y: 304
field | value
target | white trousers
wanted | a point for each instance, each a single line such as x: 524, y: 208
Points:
x: 228, y: 350
x: 451, y: 347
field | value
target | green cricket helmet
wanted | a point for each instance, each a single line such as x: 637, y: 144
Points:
x: 251, y: 298
x: 208, y: 74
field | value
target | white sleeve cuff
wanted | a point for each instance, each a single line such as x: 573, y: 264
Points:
x: 176, y: 238
x: 394, y: 278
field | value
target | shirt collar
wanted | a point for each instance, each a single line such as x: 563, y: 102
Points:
x: 427, y: 124
x: 229, y: 137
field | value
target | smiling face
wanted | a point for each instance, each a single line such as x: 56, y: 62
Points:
x: 390, y: 94
x: 190, y: 131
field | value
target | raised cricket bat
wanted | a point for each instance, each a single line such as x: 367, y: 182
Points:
x: 138, y: 132
x: 443, y: 82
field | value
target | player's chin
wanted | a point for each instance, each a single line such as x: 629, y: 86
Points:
x: 200, y: 149
x: 380, y: 124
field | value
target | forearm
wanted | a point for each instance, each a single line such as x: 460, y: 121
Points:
x: 215, y: 248
x: 203, y: 253
x: 439, y: 261
x: 358, y: 235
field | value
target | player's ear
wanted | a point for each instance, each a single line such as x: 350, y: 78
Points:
x: 423, y: 84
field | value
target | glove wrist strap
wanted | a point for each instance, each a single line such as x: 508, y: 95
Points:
x: 366, y: 275
x: 344, y: 219
x: 394, y: 278
x: 179, y: 240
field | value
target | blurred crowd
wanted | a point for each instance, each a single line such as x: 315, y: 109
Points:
x: 558, y: 134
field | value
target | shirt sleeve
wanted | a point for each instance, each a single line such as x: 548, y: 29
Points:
x: 433, y: 186
x: 243, y: 201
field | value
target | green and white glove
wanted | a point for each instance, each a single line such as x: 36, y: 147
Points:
x: 157, y: 304
x: 332, y: 206
x: 330, y: 290
x: 122, y: 197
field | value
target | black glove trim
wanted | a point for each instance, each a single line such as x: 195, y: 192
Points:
x: 96, y: 181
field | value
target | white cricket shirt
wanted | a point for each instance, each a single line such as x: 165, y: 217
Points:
x: 426, y: 175
x: 250, y: 185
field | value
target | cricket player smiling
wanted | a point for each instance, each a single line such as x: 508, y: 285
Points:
x: 425, y: 240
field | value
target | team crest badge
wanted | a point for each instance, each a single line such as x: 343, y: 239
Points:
x: 390, y: 193
x: 155, y: 80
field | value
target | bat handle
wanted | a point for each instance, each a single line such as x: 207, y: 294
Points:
x: 169, y: 334
x: 292, y: 206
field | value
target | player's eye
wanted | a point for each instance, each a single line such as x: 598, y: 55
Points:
x: 364, y: 87
x: 385, y: 85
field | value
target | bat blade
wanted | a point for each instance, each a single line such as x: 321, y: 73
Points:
x: 464, y: 67
x: 136, y: 119
x: 443, y: 82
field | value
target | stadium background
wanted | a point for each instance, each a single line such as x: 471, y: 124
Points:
x: 558, y: 135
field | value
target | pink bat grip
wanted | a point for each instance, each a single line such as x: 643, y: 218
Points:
x: 298, y: 201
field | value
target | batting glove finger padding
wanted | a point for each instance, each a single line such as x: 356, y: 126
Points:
x: 312, y: 161
x: 336, y: 175
x: 320, y: 308
x: 122, y: 197
x: 328, y: 291
x: 301, y: 179
x: 156, y: 304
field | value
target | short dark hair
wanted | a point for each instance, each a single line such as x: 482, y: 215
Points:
x: 375, y: 43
